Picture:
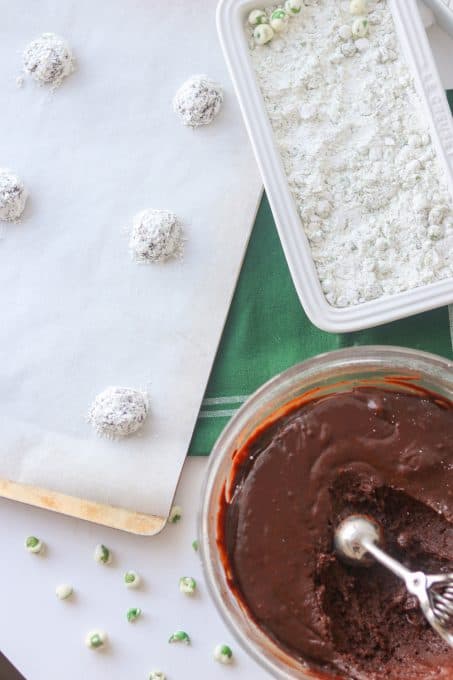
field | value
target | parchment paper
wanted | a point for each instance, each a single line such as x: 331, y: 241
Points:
x: 77, y: 314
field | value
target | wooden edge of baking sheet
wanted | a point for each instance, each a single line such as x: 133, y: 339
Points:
x: 108, y: 515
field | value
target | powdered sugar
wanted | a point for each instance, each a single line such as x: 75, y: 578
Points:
x: 48, y: 59
x: 156, y: 236
x: 198, y: 101
x: 12, y: 196
x: 118, y: 412
x: 356, y: 148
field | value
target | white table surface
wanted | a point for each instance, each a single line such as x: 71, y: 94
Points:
x: 44, y: 637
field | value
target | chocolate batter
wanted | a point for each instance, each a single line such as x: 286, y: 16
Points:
x: 382, y: 453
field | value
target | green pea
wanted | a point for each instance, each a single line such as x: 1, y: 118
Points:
x: 179, y: 636
x: 102, y: 554
x: 175, y: 514
x: 33, y: 544
x: 187, y: 585
x: 133, y: 614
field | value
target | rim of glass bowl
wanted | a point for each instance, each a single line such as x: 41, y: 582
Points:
x: 435, y: 372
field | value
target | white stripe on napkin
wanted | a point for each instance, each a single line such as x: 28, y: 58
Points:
x: 213, y: 401
x: 221, y: 413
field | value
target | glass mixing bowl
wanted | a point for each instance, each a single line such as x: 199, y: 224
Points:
x: 394, y: 368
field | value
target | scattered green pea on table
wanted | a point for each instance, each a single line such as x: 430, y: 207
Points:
x: 102, y: 554
x: 132, y: 579
x: 96, y: 639
x: 187, y: 585
x: 175, y: 514
x: 133, y: 614
x: 180, y: 637
x: 64, y: 591
x: 223, y: 654
x: 34, y: 544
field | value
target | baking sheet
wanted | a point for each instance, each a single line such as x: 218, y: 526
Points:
x: 77, y: 313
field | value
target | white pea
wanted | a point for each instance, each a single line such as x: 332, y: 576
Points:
x: 187, y: 585
x: 63, y: 591
x: 102, y: 554
x: 257, y: 16
x: 96, y: 639
x: 293, y: 6
x: 360, y: 27
x: 358, y: 6
x: 132, y: 579
x: 223, y: 654
x: 345, y: 32
x: 157, y: 675
x: 279, y: 20
x: 263, y: 34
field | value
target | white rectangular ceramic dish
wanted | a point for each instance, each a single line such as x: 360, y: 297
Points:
x: 231, y: 15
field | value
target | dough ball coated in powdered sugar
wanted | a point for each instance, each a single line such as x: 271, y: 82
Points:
x: 118, y: 412
x: 12, y: 196
x: 198, y: 101
x: 156, y: 236
x: 48, y: 59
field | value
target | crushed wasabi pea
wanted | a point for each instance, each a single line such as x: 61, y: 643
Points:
x: 293, y: 6
x: 195, y: 545
x: 96, y: 639
x: 34, y: 544
x: 279, y: 20
x: 133, y: 614
x: 63, y: 591
x: 157, y: 675
x: 175, y: 514
x: 132, y: 579
x: 263, y: 34
x: 179, y: 636
x: 257, y: 16
x: 102, y: 554
x: 187, y: 585
x: 223, y: 654
x: 360, y: 27
x: 345, y: 32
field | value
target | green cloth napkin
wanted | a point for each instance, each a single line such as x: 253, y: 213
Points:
x: 267, y: 331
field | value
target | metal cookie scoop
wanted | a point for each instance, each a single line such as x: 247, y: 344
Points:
x: 358, y: 537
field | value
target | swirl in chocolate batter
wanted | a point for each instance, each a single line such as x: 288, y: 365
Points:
x: 383, y: 453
